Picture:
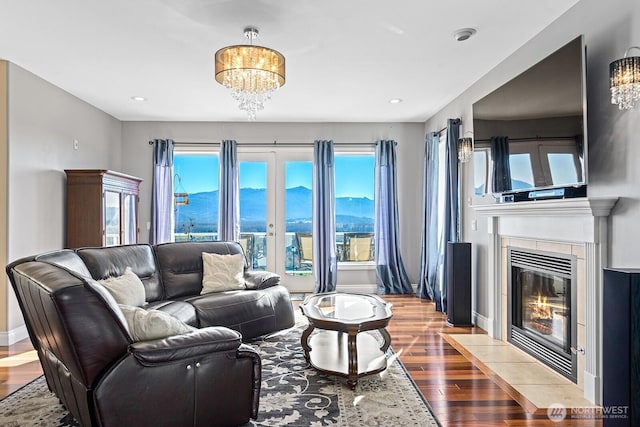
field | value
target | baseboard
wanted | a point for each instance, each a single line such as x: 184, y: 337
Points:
x: 13, y: 336
x: 357, y: 289
x: 481, y: 322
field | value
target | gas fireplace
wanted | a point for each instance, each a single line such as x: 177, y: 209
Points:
x: 542, y: 316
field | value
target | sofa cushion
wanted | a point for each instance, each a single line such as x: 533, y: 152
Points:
x: 145, y: 325
x: 112, y: 261
x: 126, y: 289
x: 222, y: 272
x: 180, y: 265
x: 178, y: 309
x: 65, y: 258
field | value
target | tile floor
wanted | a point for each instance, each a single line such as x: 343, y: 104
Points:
x: 537, y: 383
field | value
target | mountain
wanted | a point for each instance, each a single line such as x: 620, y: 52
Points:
x: 202, y: 209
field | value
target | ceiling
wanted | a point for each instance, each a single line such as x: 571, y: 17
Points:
x: 345, y: 59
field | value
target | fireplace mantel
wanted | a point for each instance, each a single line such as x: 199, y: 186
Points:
x: 583, y: 206
x: 579, y: 221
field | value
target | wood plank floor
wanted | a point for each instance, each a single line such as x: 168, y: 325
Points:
x: 457, y: 390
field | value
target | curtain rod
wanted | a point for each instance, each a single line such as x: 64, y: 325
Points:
x: 532, y: 138
x: 273, y: 144
x: 457, y: 121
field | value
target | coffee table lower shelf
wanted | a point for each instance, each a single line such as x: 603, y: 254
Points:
x: 329, y: 353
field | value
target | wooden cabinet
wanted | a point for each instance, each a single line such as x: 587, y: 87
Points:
x: 102, y: 208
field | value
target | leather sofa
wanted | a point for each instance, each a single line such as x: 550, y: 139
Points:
x: 206, y: 377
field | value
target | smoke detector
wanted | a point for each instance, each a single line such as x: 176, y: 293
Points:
x: 464, y: 34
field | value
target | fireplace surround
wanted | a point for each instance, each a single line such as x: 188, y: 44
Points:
x: 567, y: 226
x: 541, y: 307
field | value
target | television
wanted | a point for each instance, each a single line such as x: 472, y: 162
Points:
x: 530, y: 134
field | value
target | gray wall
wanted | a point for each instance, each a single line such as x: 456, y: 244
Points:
x: 609, y: 29
x: 43, y: 122
x: 136, y: 160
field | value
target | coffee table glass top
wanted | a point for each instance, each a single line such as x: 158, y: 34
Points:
x: 346, y: 307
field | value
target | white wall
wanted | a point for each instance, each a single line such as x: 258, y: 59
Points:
x: 136, y: 160
x: 43, y: 122
x: 609, y: 29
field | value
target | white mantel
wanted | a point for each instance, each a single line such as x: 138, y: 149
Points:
x: 579, y: 221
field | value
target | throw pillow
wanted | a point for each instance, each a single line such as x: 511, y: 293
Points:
x: 147, y: 325
x: 222, y: 272
x: 126, y: 289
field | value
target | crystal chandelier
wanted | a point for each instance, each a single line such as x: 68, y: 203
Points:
x: 252, y: 73
x: 624, y: 75
x: 465, y: 149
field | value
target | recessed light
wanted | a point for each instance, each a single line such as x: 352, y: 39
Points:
x: 139, y: 98
x: 395, y: 101
x: 464, y: 34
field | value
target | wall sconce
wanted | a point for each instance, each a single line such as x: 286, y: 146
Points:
x: 465, y: 148
x: 624, y: 77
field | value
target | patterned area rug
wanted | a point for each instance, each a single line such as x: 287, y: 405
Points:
x: 292, y: 394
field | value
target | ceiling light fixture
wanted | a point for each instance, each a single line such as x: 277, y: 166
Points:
x: 395, y: 101
x: 138, y: 98
x: 464, y: 34
x: 252, y: 73
x: 624, y: 78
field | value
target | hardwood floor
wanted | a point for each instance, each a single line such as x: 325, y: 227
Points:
x: 457, y: 390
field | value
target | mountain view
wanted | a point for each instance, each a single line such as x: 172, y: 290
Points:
x: 352, y: 213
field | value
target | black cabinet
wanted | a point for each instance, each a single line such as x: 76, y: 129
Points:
x: 458, y: 271
x: 621, y: 346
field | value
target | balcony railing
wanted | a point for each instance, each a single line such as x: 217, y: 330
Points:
x: 351, y: 247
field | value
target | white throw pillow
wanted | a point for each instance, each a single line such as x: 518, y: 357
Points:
x: 147, y: 325
x: 222, y: 272
x: 126, y: 289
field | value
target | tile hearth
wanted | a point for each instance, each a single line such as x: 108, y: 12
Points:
x: 529, y: 382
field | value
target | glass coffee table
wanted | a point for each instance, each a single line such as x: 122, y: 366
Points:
x: 338, y: 347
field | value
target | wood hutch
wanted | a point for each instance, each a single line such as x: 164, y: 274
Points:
x: 102, y: 208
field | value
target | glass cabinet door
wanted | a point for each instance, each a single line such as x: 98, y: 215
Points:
x: 129, y: 226
x: 111, y: 218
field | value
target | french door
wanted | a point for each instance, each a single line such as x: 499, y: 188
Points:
x: 275, y: 212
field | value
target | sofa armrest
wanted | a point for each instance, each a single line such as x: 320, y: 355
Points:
x: 247, y: 352
x: 186, y: 346
x: 260, y: 279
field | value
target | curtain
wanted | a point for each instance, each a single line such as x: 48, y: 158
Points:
x: 229, y: 193
x: 429, y: 255
x: 162, y: 191
x: 451, y: 222
x: 325, y: 263
x: 501, y: 167
x: 391, y: 275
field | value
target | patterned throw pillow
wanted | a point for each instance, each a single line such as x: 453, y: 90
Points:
x: 222, y: 272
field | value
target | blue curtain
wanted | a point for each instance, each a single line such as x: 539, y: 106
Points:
x: 229, y: 194
x: 451, y: 225
x: 501, y: 166
x: 162, y: 191
x: 429, y: 255
x: 325, y: 262
x: 391, y: 275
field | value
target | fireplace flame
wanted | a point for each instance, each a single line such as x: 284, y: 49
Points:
x: 541, y: 309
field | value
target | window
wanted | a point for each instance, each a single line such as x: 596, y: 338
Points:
x: 354, y: 188
x: 521, y: 171
x: 196, y: 217
x: 480, y: 162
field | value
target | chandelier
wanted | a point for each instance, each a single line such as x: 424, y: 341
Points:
x: 252, y: 73
x: 624, y: 75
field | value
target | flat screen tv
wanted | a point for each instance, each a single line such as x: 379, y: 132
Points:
x: 530, y: 134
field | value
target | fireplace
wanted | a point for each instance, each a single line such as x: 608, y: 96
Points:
x: 541, y: 307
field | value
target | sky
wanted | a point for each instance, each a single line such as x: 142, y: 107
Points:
x: 354, y: 175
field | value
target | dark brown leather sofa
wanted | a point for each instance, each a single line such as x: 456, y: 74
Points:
x: 207, y: 377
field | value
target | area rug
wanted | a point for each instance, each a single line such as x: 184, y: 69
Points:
x: 292, y: 394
